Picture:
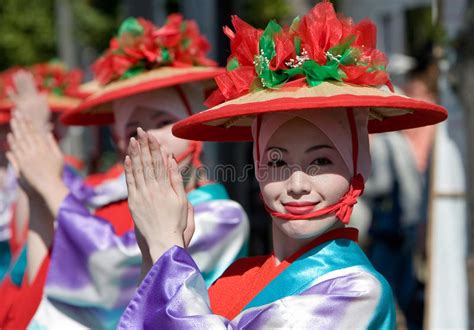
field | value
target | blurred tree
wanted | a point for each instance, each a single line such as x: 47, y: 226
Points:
x: 27, y: 28
x: 421, y: 28
x: 96, y: 21
x: 258, y: 13
x: 27, y: 32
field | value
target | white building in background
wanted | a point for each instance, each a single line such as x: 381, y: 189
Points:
x: 389, y: 15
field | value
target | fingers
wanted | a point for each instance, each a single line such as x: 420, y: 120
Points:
x: 24, y: 132
x: 149, y: 172
x: 24, y: 83
x: 129, y: 177
x: 137, y: 169
x: 158, y: 159
x: 176, y: 179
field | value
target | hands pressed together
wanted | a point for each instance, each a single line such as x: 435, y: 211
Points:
x: 34, y: 153
x: 35, y: 156
x: 38, y: 162
x: 156, y: 197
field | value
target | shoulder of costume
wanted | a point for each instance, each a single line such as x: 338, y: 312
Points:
x: 209, y: 192
x: 97, y: 179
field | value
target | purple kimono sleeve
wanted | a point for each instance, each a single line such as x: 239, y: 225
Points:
x: 172, y: 296
x: 91, y: 265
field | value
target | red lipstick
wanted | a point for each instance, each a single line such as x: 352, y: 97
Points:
x: 299, y: 208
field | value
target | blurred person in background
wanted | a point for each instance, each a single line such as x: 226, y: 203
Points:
x: 394, y: 194
x: 40, y: 92
x: 150, y: 77
x: 422, y: 84
x: 397, y: 195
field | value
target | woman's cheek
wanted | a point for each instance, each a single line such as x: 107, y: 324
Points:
x: 270, y: 192
x: 171, y: 143
x: 331, y: 186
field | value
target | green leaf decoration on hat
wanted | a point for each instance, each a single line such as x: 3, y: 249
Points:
x: 132, y: 26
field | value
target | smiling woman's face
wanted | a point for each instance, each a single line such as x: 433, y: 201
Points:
x: 300, y: 172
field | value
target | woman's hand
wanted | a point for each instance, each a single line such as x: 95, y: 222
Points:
x: 38, y: 161
x: 29, y: 101
x: 156, y: 196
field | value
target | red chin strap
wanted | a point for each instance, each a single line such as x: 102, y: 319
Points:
x: 343, y: 208
x: 194, y: 149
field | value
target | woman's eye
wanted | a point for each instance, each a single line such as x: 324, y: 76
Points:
x: 276, y: 163
x: 164, y: 123
x: 322, y: 161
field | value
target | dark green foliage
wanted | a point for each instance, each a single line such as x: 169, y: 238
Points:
x: 258, y: 13
x: 96, y: 22
x: 27, y: 33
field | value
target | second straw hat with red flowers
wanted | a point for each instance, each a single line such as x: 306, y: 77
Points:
x: 142, y: 58
x: 63, y: 87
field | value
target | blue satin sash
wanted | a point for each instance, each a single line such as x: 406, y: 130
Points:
x: 212, y: 191
x: 304, y: 271
x: 327, y: 257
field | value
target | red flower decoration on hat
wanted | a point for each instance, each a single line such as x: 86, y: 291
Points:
x: 141, y: 46
x: 52, y: 78
x: 321, y: 46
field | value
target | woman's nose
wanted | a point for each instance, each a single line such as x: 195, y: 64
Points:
x: 299, y: 184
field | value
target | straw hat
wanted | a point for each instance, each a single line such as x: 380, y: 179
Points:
x: 143, y: 58
x: 322, y: 61
x: 62, y: 86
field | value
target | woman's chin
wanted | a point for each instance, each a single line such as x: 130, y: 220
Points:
x: 305, y: 229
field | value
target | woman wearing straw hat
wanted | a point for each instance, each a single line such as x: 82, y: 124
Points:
x: 307, y: 97
x: 42, y: 92
x: 151, y: 77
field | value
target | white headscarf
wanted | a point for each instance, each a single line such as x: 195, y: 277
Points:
x: 166, y: 100
x: 334, y: 123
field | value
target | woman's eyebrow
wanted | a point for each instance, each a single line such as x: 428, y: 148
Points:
x: 322, y: 146
x: 278, y: 148
x: 158, y: 114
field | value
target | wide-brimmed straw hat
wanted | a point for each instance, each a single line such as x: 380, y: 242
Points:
x: 143, y: 58
x: 63, y: 87
x: 322, y: 61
